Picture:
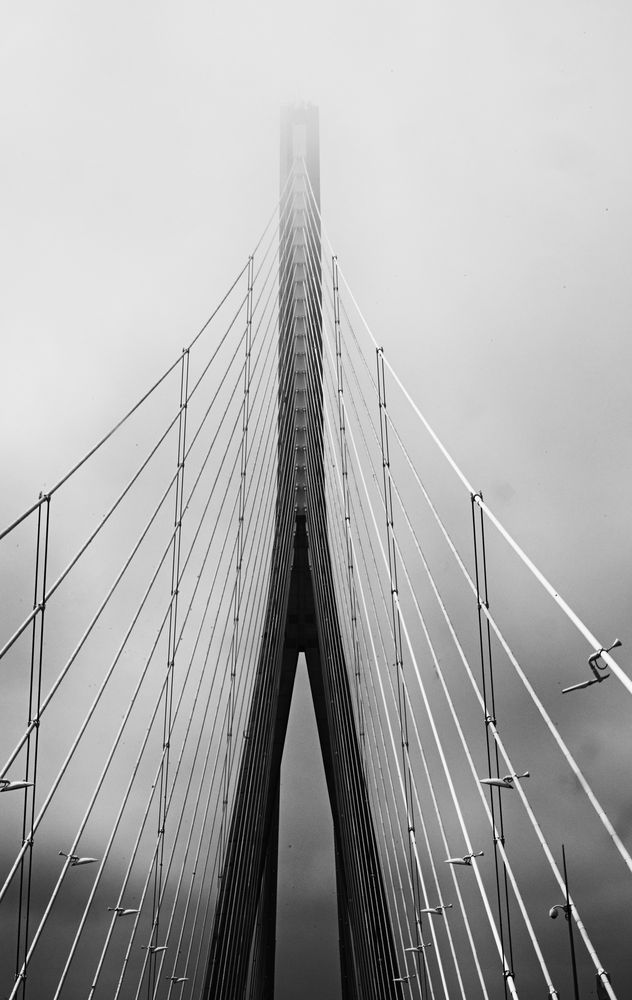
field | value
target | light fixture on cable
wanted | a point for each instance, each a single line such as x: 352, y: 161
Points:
x: 121, y: 911
x: 13, y: 786
x: 507, y: 781
x: 75, y: 860
x: 436, y: 911
x: 465, y: 860
x: 596, y: 667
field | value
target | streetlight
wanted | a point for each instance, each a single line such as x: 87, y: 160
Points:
x: 465, y: 860
x: 75, y: 860
x: 566, y: 909
x: 505, y: 782
x: 6, y: 785
x: 596, y: 667
x: 436, y: 911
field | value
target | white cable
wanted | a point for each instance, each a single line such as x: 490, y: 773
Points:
x: 448, y: 852
x: 454, y: 796
x: 311, y: 331
x: 545, y: 972
x: 411, y: 830
x: 589, y: 946
x: 186, y: 736
x: 420, y: 811
x: 155, y: 780
x: 348, y: 533
x: 603, y: 817
x: 126, y: 958
x: 601, y: 813
x: 568, y: 611
x: 96, y: 792
x: 374, y: 768
x: 506, y: 969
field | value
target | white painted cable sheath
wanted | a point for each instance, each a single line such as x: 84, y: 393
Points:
x: 378, y: 766
x: 437, y: 810
x: 587, y: 941
x: 506, y: 969
x: 409, y: 823
x: 568, y: 756
x: 419, y: 808
x: 409, y: 818
x: 332, y: 446
x: 601, y: 813
x: 559, y: 600
x: 373, y: 751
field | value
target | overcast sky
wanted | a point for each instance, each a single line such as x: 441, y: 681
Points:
x: 475, y: 179
x: 475, y: 185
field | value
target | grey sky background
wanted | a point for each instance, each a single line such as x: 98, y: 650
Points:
x: 475, y: 165
x: 481, y: 154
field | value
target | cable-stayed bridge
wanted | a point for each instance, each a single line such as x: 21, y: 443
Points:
x: 278, y: 493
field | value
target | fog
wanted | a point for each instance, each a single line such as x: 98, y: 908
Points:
x: 475, y: 165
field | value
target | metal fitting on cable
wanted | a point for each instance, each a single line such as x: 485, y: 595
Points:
x: 13, y: 786
x: 505, y: 782
x: 465, y: 860
x: 596, y: 668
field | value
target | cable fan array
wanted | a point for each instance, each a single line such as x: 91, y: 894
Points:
x: 476, y: 851
x: 133, y: 630
x: 129, y: 677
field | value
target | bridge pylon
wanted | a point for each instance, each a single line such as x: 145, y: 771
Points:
x: 301, y: 616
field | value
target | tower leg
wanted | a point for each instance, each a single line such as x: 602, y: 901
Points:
x: 345, y: 944
x: 302, y: 616
x: 264, y: 951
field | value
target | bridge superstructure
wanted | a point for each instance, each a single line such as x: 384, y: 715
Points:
x: 301, y: 617
x: 276, y: 492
